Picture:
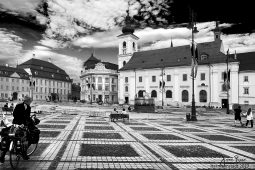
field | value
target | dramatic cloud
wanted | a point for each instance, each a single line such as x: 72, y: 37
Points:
x: 11, y: 45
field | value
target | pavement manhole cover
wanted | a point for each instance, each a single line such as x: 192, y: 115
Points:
x: 107, y: 150
x: 102, y: 135
x: 250, y: 149
x: 40, y: 149
x: 52, y: 126
x: 99, y: 127
x: 219, y: 138
x: 193, y: 151
x: 162, y: 137
x: 189, y: 130
x: 57, y: 122
x: 49, y: 134
x: 145, y: 129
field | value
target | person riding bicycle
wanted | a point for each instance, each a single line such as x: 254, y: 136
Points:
x: 21, y: 116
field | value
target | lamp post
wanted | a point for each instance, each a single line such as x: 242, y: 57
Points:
x: 193, y: 106
x: 163, y: 86
x: 227, y: 112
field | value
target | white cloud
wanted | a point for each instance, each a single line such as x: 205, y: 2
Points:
x: 22, y: 6
x: 11, y: 45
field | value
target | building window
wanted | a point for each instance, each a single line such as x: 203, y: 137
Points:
x: 18, y: 88
x: 153, y: 93
x: 126, y: 79
x: 140, y: 93
x: 99, y: 79
x: 12, y: 80
x: 246, y: 90
x: 133, y: 46
x: 185, y: 96
x: 246, y: 79
x: 124, y: 47
x: 184, y: 77
x: 93, y: 79
x: 203, y: 96
x: 126, y: 88
x: 153, y: 78
x: 222, y: 75
x: 223, y: 87
x: 168, y: 77
x: 246, y: 102
x: 7, y: 87
x: 107, y: 88
x: 12, y: 87
x: 140, y: 79
x: 202, y: 76
x: 107, y: 80
x: 169, y: 94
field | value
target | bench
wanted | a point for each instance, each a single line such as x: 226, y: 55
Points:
x: 116, y: 116
x: 7, y: 109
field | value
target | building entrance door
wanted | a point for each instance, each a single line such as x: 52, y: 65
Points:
x: 224, y: 103
x: 99, y: 98
x: 126, y: 100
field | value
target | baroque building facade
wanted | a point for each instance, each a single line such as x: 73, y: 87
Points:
x: 165, y: 74
x: 14, y: 83
x: 48, y: 81
x: 99, y: 81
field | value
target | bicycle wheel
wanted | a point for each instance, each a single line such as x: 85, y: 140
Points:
x: 14, y: 156
x: 31, y: 148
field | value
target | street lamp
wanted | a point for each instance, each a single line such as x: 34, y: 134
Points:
x: 227, y: 84
x: 193, y: 31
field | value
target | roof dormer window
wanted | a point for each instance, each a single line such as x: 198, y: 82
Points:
x: 52, y: 75
x: 58, y: 71
x: 36, y: 73
x: 41, y: 67
x: 204, y: 57
x: 67, y: 78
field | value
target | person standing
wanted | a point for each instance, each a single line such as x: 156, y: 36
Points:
x: 238, y: 112
x: 249, y: 118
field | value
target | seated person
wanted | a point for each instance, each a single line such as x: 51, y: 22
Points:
x: 124, y: 111
x: 115, y: 111
x: 11, y: 107
x: 6, y: 106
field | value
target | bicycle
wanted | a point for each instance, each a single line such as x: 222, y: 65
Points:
x: 18, y: 142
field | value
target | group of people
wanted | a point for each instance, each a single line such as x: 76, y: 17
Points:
x: 123, y: 110
x: 21, y: 116
x: 11, y: 106
x: 248, y: 115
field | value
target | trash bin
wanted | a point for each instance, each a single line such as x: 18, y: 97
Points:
x: 188, y: 116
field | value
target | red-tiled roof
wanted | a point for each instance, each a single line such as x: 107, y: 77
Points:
x: 44, y: 69
x: 8, y: 71
x: 175, y: 56
x: 247, y: 61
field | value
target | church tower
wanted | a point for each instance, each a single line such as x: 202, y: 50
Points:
x: 127, y: 42
x: 217, y: 32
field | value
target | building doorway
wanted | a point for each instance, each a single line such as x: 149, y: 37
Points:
x: 14, y: 96
x: 99, y: 98
x: 224, y: 103
x: 126, y: 100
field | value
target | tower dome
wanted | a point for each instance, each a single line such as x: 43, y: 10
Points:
x: 128, y: 29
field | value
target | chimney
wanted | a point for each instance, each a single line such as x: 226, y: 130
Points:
x: 49, y: 60
x: 235, y: 57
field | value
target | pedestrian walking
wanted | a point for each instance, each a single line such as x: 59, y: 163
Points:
x: 249, y: 117
x: 238, y: 112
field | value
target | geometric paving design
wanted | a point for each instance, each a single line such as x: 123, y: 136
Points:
x: 145, y: 129
x: 70, y: 140
x: 193, y: 151
x: 219, y: 138
x: 107, y: 150
x: 102, y: 135
x: 162, y: 137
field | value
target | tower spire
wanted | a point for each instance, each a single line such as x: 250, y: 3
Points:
x: 217, y: 31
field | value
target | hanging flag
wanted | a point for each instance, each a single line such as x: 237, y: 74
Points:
x: 160, y: 84
x: 164, y: 84
x: 229, y: 75
x: 194, y: 61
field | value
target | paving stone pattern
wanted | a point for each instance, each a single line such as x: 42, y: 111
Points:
x: 72, y: 140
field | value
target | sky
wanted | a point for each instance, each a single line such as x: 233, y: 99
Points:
x: 68, y: 31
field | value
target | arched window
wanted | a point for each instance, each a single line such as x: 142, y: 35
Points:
x: 124, y: 63
x: 124, y: 47
x: 169, y: 94
x: 153, y: 93
x: 203, y: 96
x: 185, y: 96
x: 134, y: 46
x: 140, y: 93
x: 124, y: 44
x: 126, y: 88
